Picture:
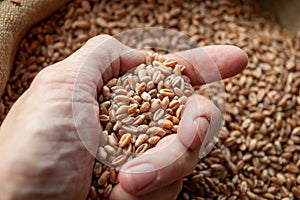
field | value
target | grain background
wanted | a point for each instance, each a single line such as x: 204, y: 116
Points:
x: 257, y: 154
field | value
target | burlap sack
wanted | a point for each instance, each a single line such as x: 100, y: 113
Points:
x: 15, y: 20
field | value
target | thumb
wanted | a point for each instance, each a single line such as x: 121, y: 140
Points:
x: 175, y: 156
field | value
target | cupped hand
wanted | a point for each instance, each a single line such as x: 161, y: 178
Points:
x: 49, y: 138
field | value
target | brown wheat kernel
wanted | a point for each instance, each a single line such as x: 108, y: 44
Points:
x: 107, y: 191
x: 145, y: 107
x: 142, y: 148
x: 103, y: 178
x: 139, y: 120
x: 156, y: 131
x: 112, y: 140
x: 125, y: 140
x: 93, y: 192
x: 174, y: 104
x: 121, y: 98
x: 104, y: 118
x: 167, y: 92
x: 153, y: 140
x: 102, y: 154
x: 118, y: 161
x: 158, y: 114
x: 296, y: 191
x: 155, y: 104
x: 164, y: 123
x: 97, y: 169
x: 141, y: 139
x: 109, y: 149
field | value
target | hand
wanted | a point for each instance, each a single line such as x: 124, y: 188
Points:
x: 44, y: 157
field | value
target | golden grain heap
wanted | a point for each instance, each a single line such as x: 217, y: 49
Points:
x: 136, y: 111
x: 258, y: 151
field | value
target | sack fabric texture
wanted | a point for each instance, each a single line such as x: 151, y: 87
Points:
x: 15, y: 21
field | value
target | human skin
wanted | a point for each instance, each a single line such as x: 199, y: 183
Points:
x: 46, y: 154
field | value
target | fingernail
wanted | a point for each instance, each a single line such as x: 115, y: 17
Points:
x: 140, y: 176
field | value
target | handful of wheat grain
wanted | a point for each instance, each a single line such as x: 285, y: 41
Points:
x: 136, y: 111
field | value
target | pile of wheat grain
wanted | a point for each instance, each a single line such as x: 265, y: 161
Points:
x: 258, y: 151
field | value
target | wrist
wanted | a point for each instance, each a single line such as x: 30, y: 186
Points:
x: 19, y: 177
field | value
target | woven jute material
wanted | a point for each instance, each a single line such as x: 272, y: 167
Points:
x: 15, y: 20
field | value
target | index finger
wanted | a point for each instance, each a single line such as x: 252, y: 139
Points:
x: 211, y: 63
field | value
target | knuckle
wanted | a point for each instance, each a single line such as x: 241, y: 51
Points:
x: 47, y: 75
x: 43, y: 76
x: 99, y: 39
x: 204, y: 105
